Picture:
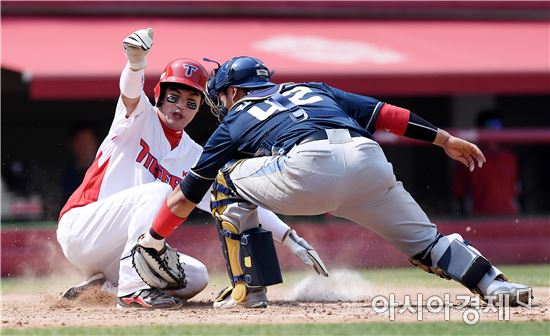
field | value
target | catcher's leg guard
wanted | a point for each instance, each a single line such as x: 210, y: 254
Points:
x: 251, y: 257
x: 452, y: 258
x: 259, y: 258
x: 229, y: 239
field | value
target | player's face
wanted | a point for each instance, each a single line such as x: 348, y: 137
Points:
x: 230, y: 96
x: 179, y: 107
x: 225, y: 99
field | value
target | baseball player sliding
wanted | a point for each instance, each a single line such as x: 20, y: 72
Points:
x: 309, y: 150
x: 143, y: 158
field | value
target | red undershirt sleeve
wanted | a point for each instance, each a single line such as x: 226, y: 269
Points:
x: 403, y: 122
x: 165, y: 222
x: 392, y: 119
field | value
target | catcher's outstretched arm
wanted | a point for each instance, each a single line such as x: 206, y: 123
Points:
x: 459, y: 149
x: 403, y: 122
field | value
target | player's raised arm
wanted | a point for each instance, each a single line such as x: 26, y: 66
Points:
x: 136, y: 47
x: 403, y: 122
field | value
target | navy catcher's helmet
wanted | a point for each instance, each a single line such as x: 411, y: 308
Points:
x: 243, y: 72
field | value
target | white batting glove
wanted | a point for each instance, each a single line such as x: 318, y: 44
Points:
x: 303, y: 250
x: 137, y: 46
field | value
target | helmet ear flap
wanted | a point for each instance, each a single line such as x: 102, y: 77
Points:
x: 162, y: 87
x: 159, y: 96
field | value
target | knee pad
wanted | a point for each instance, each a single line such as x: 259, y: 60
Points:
x: 452, y: 258
x: 223, y: 190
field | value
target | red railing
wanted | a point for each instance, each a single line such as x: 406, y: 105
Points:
x: 523, y: 136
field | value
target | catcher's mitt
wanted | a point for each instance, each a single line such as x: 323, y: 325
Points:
x: 159, y: 269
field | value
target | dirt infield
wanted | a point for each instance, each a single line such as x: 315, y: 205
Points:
x: 40, y: 308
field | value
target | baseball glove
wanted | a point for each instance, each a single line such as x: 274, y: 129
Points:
x: 159, y: 269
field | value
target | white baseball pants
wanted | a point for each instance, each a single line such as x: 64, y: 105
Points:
x: 98, y: 237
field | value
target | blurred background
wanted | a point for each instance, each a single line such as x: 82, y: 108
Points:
x: 480, y: 69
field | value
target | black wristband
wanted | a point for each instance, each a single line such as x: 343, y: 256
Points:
x: 420, y: 129
x: 155, y: 235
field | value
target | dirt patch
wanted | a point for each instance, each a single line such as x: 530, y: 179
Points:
x: 42, y: 309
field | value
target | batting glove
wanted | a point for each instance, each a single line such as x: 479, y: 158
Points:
x: 137, y: 46
x: 303, y: 250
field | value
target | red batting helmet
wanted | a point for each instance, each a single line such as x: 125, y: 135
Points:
x: 182, y: 71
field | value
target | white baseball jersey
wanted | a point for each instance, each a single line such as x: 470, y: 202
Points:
x: 119, y: 198
x: 136, y: 151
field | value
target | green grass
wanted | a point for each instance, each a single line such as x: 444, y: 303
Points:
x: 23, y: 225
x: 533, y: 275
x: 374, y: 328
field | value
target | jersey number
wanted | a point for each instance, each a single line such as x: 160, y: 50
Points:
x: 296, y: 96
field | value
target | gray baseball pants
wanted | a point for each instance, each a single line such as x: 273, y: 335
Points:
x: 348, y: 177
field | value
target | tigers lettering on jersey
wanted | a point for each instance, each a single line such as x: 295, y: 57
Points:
x: 152, y: 164
x: 136, y: 151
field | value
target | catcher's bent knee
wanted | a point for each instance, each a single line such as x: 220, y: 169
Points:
x: 452, y: 258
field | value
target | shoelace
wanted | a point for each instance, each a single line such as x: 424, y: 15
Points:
x: 153, y: 293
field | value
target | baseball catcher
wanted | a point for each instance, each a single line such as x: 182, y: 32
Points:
x: 308, y: 149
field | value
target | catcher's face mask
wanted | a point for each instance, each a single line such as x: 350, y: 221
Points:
x: 242, y: 72
x: 211, y: 93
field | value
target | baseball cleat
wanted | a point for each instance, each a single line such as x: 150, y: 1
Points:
x: 149, y: 298
x: 95, y: 281
x: 255, y: 298
x: 519, y: 294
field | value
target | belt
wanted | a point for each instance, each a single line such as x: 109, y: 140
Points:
x: 322, y: 135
